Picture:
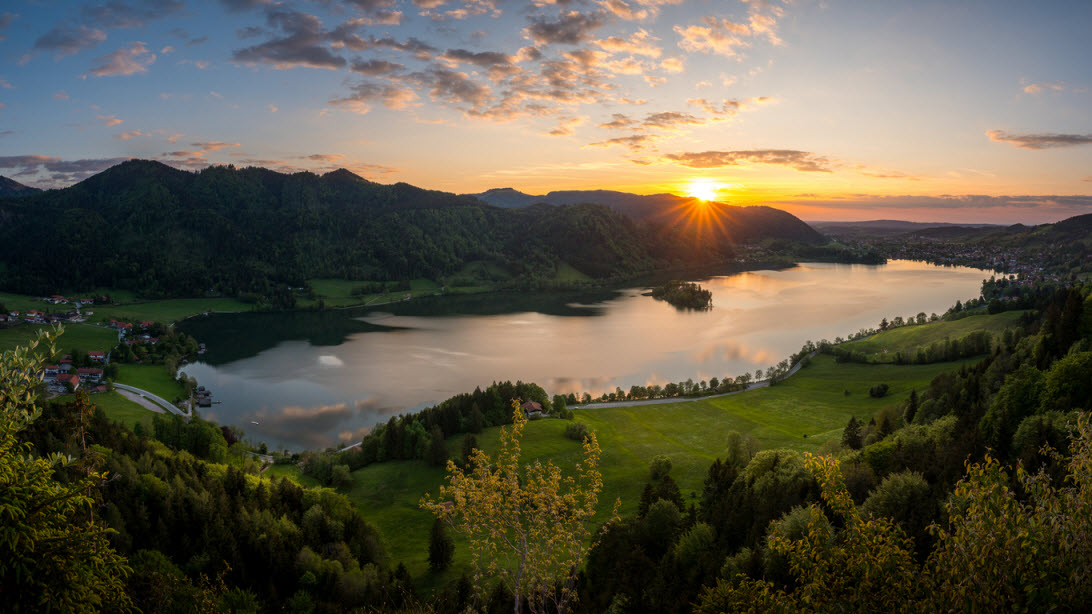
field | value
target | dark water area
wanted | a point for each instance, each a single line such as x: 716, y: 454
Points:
x: 314, y: 379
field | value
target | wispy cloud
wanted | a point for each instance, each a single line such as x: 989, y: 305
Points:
x: 303, y: 43
x: 130, y: 60
x: 570, y: 28
x: 1039, y: 141
x: 66, y: 40
x: 792, y: 158
x: 1035, y: 88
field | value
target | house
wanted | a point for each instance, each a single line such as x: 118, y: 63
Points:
x: 56, y: 300
x: 69, y: 379
x: 52, y: 371
x: 532, y: 408
x: 145, y: 324
x: 97, y: 355
x: 89, y: 374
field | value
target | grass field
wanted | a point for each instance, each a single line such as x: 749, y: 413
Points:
x: 167, y: 311
x: 907, y: 339
x: 812, y: 403
x: 79, y: 336
x: 153, y: 378
x: 566, y: 272
x: 291, y: 472
x: 118, y: 408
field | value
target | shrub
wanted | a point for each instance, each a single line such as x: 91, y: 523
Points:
x: 576, y: 431
x: 878, y: 391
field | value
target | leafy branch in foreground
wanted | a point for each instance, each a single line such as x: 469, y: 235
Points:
x: 528, y: 525
x: 52, y: 556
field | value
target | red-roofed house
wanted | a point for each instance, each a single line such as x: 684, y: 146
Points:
x: 97, y: 355
x: 52, y: 370
x: 146, y: 323
x: 89, y: 374
x: 69, y: 379
x: 531, y: 408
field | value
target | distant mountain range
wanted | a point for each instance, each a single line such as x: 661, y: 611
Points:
x: 10, y: 187
x: 876, y: 228
x: 160, y: 231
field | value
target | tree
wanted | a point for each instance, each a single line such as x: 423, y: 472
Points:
x: 56, y: 556
x: 659, y: 467
x: 851, y: 436
x: 341, y: 477
x: 911, y: 407
x: 441, y: 548
x: 437, y: 451
x: 530, y: 526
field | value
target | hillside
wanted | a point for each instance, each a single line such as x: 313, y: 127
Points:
x: 147, y: 227
x: 10, y: 187
x: 887, y: 228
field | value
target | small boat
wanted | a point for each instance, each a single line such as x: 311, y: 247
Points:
x: 253, y: 422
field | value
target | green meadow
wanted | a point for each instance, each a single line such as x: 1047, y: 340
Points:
x: 153, y: 378
x: 907, y: 339
x: 76, y: 336
x: 803, y: 412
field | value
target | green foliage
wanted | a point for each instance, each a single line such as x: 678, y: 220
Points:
x: 56, y: 554
x: 878, y: 391
x: 1068, y: 383
x: 659, y: 467
x: 576, y: 431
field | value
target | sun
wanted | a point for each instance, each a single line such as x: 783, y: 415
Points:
x: 704, y: 189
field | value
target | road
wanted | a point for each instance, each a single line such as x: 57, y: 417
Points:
x: 754, y: 386
x: 160, y: 401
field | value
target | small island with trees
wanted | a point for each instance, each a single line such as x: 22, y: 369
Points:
x: 684, y: 295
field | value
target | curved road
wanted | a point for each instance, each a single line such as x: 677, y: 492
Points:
x: 754, y: 386
x: 160, y: 401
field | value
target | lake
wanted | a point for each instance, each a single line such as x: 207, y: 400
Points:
x: 312, y: 379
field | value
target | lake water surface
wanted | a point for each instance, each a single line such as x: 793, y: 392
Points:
x: 314, y: 379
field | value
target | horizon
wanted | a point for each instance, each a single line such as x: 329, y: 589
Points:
x: 933, y: 112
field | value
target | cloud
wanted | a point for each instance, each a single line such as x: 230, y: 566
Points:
x: 565, y: 126
x: 620, y: 121
x: 65, y: 41
x: 799, y: 160
x: 56, y: 172
x: 729, y: 107
x: 375, y: 68
x: 570, y: 28
x: 1039, y: 141
x: 1035, y: 88
x: 5, y: 21
x: 638, y: 43
x: 110, y: 120
x: 720, y: 36
x: 634, y: 142
x: 129, y: 60
x: 344, y: 36
x: 272, y: 108
x: 671, y: 119
x: 122, y: 15
x: 214, y: 145
x: 328, y: 158
x: 301, y: 45
x: 125, y: 136
x: 392, y: 96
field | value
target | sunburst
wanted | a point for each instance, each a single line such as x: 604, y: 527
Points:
x: 704, y: 189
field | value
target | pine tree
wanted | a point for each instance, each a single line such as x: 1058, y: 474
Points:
x: 851, y: 436
x: 441, y: 548
x: 912, y: 407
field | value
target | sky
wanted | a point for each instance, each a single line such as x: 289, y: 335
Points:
x: 833, y: 110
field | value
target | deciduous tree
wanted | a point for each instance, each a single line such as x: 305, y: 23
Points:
x: 528, y: 525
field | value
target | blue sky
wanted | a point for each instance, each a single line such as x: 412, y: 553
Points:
x: 954, y: 111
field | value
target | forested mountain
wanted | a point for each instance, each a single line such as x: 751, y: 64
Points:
x: 160, y: 231
x: 882, y: 228
x: 10, y: 187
